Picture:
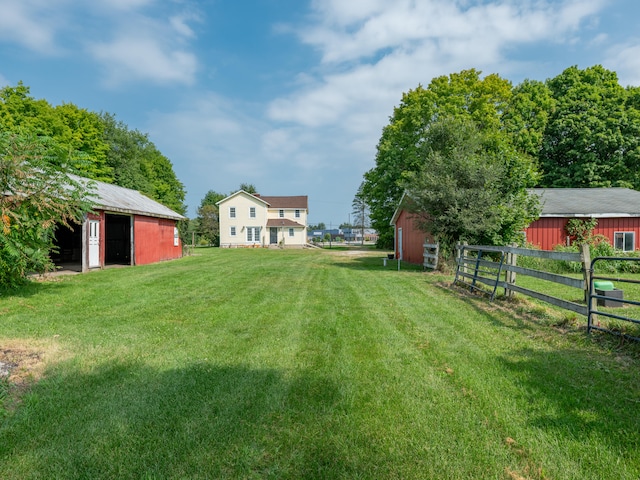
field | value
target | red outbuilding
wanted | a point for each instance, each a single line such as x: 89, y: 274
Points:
x: 124, y: 228
x: 616, y: 210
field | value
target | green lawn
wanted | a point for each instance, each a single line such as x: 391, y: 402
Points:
x: 305, y: 364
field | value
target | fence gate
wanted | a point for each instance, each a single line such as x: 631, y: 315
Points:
x: 479, y: 270
x: 599, y: 299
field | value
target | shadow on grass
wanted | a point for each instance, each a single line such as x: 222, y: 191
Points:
x: 126, y: 420
x: 571, y: 391
x: 578, y: 394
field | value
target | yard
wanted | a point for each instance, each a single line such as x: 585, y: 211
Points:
x: 303, y: 364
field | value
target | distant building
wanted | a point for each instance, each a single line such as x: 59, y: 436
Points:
x: 248, y: 220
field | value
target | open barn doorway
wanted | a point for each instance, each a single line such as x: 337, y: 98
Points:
x: 118, y: 230
x: 67, y: 252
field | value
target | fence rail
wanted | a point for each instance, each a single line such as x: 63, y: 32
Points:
x: 471, y: 265
x: 474, y: 267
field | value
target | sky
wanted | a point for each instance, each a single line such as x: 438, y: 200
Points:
x: 290, y: 95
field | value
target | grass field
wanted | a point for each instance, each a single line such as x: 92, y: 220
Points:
x: 303, y: 364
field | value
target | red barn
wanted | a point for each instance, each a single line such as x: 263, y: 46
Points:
x: 617, y: 211
x: 125, y: 228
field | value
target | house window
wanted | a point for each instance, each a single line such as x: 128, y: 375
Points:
x: 232, y: 212
x: 291, y: 232
x: 252, y: 212
x: 233, y: 231
x: 625, y: 241
x: 297, y: 213
x: 281, y: 213
x: 253, y: 234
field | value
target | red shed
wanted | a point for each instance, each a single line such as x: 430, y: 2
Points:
x: 409, y: 241
x: 125, y: 228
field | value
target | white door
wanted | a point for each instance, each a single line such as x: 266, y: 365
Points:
x: 94, y: 243
x: 400, y: 252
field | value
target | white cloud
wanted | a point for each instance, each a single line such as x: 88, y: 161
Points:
x: 351, y: 31
x: 30, y: 23
x: 625, y: 60
x: 133, y: 57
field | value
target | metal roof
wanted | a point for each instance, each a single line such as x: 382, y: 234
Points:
x: 588, y: 202
x: 125, y: 200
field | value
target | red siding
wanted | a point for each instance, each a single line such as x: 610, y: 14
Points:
x: 412, y: 239
x: 154, y: 238
x: 546, y: 233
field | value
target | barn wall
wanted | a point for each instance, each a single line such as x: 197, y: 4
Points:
x: 154, y: 240
x: 546, y: 233
x: 412, y: 239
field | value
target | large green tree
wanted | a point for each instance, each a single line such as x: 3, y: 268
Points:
x: 36, y: 195
x: 400, y: 150
x: 472, y: 186
x: 592, y: 138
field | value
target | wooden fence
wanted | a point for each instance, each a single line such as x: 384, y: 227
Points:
x: 486, y: 265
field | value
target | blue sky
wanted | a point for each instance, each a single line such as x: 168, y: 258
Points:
x: 290, y: 95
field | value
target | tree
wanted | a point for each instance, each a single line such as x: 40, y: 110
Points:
x: 471, y: 187
x: 36, y: 195
x: 400, y: 149
x: 248, y: 187
x: 360, y: 210
x: 209, y: 217
x: 592, y: 138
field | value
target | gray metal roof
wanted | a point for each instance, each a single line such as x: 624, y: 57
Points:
x: 588, y: 202
x: 117, y: 199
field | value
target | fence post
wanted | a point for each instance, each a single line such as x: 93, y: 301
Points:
x: 510, y: 277
x: 585, y: 256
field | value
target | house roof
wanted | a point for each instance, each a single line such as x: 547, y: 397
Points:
x: 125, y: 200
x: 588, y: 202
x: 283, y: 222
x: 300, y: 201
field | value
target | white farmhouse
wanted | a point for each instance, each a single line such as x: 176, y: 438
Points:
x: 248, y: 220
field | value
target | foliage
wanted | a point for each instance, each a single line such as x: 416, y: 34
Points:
x: 526, y: 116
x: 592, y: 138
x: 400, y: 150
x: 36, y: 195
x: 472, y: 187
x: 209, y: 217
x: 360, y: 210
x: 247, y: 187
x: 581, y: 230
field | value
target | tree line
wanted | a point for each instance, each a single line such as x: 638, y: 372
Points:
x: 466, y: 148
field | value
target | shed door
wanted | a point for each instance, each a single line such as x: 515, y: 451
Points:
x: 400, y: 245
x: 94, y: 243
